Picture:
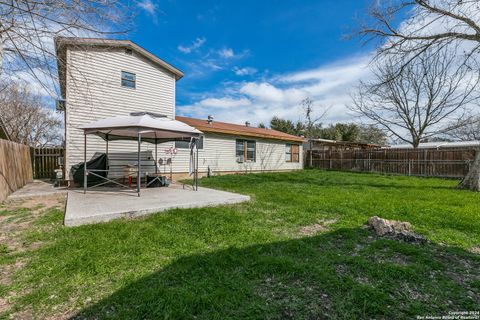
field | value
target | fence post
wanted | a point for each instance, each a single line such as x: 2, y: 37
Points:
x: 425, y: 168
x: 330, y: 157
x: 311, y: 155
x: 341, y: 159
x: 384, y: 167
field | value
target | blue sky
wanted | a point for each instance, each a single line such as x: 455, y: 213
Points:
x: 251, y: 60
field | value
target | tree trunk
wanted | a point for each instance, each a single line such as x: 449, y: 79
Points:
x: 472, y: 179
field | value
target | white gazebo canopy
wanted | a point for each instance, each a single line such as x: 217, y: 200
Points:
x: 153, y: 128
x: 141, y: 127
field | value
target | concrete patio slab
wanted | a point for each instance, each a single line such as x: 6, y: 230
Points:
x: 105, y: 205
x: 37, y: 188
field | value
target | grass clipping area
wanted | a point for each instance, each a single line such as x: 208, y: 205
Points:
x: 298, y: 250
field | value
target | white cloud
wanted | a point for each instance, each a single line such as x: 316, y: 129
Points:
x: 247, y: 71
x: 195, y: 45
x: 224, y: 103
x: 148, y: 6
x: 230, y: 54
x: 226, y: 53
x: 281, y: 95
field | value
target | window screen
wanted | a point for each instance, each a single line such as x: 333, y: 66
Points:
x: 245, y: 150
x: 128, y: 79
x: 292, y: 152
x: 184, y: 144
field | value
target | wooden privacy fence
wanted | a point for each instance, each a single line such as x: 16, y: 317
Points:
x: 15, y: 167
x: 45, y: 161
x: 447, y: 163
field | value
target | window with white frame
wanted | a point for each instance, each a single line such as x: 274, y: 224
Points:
x: 245, y: 150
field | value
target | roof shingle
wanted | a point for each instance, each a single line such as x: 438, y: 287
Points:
x: 240, y: 130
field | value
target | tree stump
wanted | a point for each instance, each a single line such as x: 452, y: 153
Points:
x: 472, y: 179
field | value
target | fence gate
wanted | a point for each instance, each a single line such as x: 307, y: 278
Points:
x: 45, y: 161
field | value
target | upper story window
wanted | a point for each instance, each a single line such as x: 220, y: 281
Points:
x: 128, y: 79
x: 245, y: 150
x: 292, y: 152
x: 185, y: 144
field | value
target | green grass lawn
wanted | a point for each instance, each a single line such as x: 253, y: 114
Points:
x: 298, y: 250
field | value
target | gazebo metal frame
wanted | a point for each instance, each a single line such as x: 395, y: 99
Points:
x: 111, y: 134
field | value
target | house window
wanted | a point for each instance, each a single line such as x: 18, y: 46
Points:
x: 128, y: 79
x: 245, y: 150
x: 292, y: 152
x: 185, y: 144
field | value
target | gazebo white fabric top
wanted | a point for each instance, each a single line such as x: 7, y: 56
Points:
x: 152, y: 127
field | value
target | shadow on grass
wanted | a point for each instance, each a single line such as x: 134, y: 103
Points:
x: 348, y: 273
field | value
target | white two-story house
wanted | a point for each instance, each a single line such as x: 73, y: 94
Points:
x: 103, y: 78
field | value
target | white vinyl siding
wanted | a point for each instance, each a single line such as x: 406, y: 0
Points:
x: 219, y: 153
x: 94, y: 92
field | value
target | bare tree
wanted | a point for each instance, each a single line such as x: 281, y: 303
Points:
x: 430, y: 25
x: 312, y: 122
x: 466, y: 129
x: 417, y: 102
x: 469, y: 129
x: 26, y: 118
x: 27, y: 29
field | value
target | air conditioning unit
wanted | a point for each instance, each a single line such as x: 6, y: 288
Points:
x: 240, y: 159
x: 60, y: 105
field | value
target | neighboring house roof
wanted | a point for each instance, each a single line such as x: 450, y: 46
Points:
x: 3, y: 131
x: 61, y: 43
x: 362, y: 145
x: 440, y: 145
x: 239, y: 130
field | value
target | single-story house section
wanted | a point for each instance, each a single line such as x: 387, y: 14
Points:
x: 102, y: 78
x: 230, y: 148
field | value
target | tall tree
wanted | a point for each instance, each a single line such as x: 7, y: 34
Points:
x: 466, y: 129
x: 372, y: 134
x: 27, y: 28
x: 312, y: 122
x: 353, y: 132
x: 415, y: 103
x: 26, y: 118
x: 430, y: 25
x: 287, y: 126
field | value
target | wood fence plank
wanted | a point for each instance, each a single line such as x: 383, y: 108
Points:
x: 448, y: 163
x: 15, y: 167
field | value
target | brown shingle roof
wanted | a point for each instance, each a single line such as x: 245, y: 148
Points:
x: 240, y: 130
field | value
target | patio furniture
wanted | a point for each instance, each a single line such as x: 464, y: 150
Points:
x: 154, y: 181
x: 141, y: 127
x: 98, y: 164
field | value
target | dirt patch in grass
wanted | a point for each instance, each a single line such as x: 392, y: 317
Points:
x: 17, y: 218
x: 320, y: 226
x: 475, y: 250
